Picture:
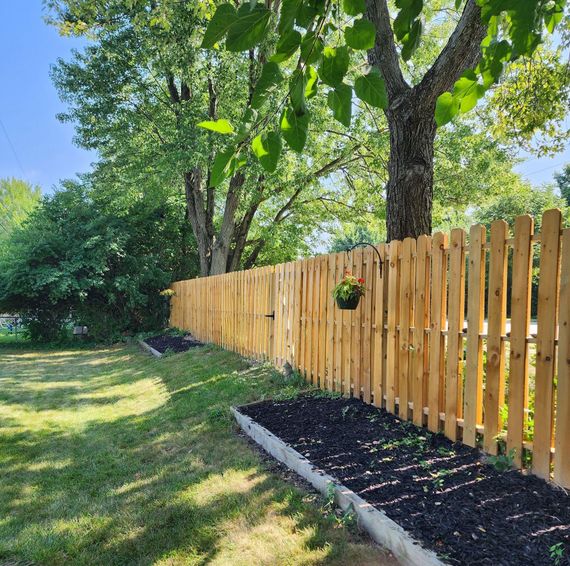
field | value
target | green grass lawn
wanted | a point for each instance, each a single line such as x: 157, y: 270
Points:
x: 109, y: 456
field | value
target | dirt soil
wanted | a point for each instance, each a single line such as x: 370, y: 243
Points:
x: 176, y: 344
x: 444, y: 494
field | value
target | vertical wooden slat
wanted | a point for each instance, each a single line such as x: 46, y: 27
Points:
x: 392, y: 334
x: 406, y: 295
x: 437, y: 322
x: 323, y: 301
x: 545, y: 337
x: 520, y: 319
x: 473, y: 398
x: 304, y: 299
x: 338, y: 356
x: 378, y: 350
x: 316, y: 292
x: 455, y: 317
x: 355, y: 345
x: 330, y: 349
x: 497, y: 297
x: 421, y: 300
x: 562, y: 443
x: 366, y: 346
x: 346, y: 336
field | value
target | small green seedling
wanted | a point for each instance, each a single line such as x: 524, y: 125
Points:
x: 556, y: 553
x: 503, y: 462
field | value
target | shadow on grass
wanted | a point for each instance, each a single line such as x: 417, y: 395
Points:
x: 163, y: 478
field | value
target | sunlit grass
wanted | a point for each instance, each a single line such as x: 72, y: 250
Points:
x: 109, y: 456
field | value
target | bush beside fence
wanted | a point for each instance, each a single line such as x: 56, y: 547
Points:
x: 430, y: 340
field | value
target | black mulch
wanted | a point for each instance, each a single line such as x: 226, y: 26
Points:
x: 444, y: 494
x: 176, y: 344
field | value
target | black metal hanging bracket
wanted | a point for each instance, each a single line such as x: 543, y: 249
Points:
x: 380, y: 261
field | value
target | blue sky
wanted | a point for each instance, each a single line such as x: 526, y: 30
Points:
x: 41, y: 149
x: 29, y: 102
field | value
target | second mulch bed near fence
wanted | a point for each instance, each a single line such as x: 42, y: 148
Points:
x: 444, y: 494
x: 168, y: 342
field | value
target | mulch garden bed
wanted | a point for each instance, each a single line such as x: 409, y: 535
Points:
x: 444, y: 494
x: 177, y: 344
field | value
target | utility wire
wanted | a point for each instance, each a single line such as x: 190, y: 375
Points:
x: 12, y: 147
x: 545, y: 169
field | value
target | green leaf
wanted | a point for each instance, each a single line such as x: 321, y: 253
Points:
x: 220, y: 126
x: 468, y: 91
x: 308, y: 11
x: 411, y: 41
x: 294, y: 128
x: 311, y: 48
x: 371, y: 88
x: 446, y: 107
x: 354, y: 7
x: 249, y: 29
x: 270, y: 77
x: 312, y: 82
x: 289, y: 10
x: 334, y: 65
x: 221, y: 167
x: 267, y: 148
x: 339, y: 101
x: 361, y: 35
x: 409, y: 11
x: 286, y: 46
x: 219, y: 25
x: 247, y: 122
x: 297, y: 84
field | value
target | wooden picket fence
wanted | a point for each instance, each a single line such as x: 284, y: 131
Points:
x: 430, y: 340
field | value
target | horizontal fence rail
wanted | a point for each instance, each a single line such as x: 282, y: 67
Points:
x: 468, y: 335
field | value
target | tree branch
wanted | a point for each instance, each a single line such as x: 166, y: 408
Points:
x: 462, y: 52
x: 384, y: 54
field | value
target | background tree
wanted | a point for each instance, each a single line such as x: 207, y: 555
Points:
x: 103, y: 266
x: 138, y: 94
x: 563, y: 182
x: 17, y: 199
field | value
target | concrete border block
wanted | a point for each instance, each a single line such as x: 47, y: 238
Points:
x: 376, y: 523
x: 149, y: 349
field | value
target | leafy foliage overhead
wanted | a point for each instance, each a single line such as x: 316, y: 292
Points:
x: 324, y: 36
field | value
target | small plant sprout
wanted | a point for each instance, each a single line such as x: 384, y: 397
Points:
x: 556, y: 552
x: 503, y: 462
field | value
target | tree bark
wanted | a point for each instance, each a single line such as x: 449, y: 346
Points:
x: 409, y: 192
x: 223, y: 240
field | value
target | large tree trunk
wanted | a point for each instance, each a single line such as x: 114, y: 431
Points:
x: 409, y: 192
x: 411, y: 111
x: 225, y: 236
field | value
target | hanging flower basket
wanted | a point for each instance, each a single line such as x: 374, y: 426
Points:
x: 348, y: 292
x: 349, y: 304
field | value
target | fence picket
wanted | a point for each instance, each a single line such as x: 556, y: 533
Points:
x: 545, y: 337
x: 437, y: 323
x: 473, y: 398
x: 497, y: 300
x: 455, y: 316
x: 392, y: 340
x: 520, y: 320
x: 562, y: 445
